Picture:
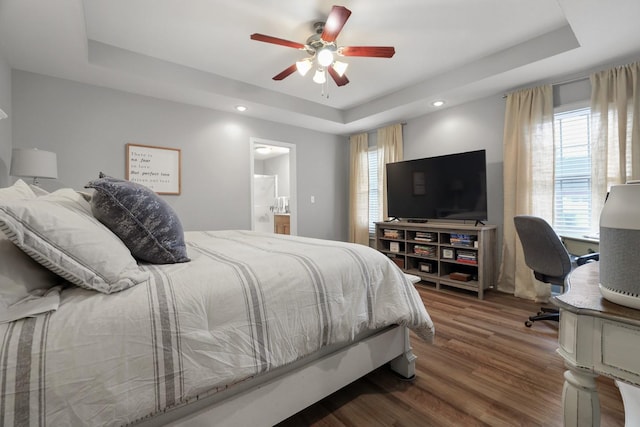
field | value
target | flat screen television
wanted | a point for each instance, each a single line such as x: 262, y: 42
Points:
x: 451, y: 187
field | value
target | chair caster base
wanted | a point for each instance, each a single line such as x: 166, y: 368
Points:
x: 528, y: 323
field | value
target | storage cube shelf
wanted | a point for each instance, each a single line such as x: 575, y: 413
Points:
x: 442, y: 254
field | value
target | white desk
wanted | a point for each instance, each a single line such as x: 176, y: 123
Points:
x: 580, y: 245
x: 596, y: 337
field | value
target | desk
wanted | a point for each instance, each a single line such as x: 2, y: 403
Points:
x: 580, y: 245
x: 596, y: 337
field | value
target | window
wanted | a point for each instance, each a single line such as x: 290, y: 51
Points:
x: 572, y: 133
x: 373, y: 190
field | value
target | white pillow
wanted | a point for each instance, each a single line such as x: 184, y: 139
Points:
x: 59, y: 231
x: 19, y: 274
x: 18, y: 191
x: 38, y: 191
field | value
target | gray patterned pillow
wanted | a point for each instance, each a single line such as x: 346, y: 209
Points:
x: 146, y: 224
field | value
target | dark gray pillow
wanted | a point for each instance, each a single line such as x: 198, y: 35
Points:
x: 146, y: 224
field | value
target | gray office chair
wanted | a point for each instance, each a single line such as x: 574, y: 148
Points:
x: 545, y: 254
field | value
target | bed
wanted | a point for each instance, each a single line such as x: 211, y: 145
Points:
x: 251, y: 329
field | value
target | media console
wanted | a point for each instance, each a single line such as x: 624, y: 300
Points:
x: 442, y: 254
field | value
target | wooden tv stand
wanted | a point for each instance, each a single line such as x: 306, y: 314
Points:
x: 443, y: 254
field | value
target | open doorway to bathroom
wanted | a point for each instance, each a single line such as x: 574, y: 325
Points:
x: 273, y: 186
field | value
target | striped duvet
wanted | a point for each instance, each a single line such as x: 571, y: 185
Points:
x: 245, y: 304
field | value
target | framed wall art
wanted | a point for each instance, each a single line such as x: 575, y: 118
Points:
x: 155, y: 167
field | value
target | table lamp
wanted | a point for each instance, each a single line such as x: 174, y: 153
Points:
x: 33, y: 163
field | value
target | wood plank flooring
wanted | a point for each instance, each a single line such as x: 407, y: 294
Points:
x: 484, y: 369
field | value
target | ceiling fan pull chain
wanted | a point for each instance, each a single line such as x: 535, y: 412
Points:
x: 325, y: 85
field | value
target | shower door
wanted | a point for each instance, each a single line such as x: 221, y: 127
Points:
x: 265, y: 189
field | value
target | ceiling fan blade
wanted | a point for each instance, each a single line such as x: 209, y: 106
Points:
x: 285, y: 73
x: 276, y: 40
x: 335, y: 21
x: 370, y: 51
x: 340, y: 81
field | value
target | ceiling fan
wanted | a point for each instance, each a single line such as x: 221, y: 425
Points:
x: 322, y: 48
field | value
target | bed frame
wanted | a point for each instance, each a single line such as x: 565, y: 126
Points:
x: 279, y: 394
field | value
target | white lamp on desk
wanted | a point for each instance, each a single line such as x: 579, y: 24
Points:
x: 620, y: 244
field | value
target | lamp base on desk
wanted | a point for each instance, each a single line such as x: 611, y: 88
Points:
x: 617, y: 297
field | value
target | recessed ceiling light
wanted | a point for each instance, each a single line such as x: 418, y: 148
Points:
x: 241, y: 108
x: 437, y: 103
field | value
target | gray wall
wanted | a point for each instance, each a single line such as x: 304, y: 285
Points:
x: 5, y: 125
x: 473, y: 126
x: 88, y: 127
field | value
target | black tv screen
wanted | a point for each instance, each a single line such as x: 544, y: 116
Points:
x: 452, y: 187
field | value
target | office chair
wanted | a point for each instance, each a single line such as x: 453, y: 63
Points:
x: 545, y: 254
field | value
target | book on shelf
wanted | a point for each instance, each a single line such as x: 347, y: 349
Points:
x: 391, y: 234
x: 425, y: 236
x: 459, y: 239
x: 424, y: 250
x: 467, y: 257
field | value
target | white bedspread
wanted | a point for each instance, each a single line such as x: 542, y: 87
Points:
x: 246, y: 303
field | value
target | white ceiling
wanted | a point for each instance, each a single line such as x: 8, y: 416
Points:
x: 199, y: 52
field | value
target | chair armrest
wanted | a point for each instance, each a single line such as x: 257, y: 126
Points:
x: 581, y: 260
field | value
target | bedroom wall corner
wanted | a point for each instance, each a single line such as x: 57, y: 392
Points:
x: 5, y: 125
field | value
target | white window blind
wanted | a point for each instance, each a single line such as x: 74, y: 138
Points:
x: 572, y: 133
x: 373, y: 189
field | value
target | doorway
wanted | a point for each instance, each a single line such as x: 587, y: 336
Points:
x: 273, y: 185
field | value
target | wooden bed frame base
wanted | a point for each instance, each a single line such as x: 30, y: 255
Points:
x: 275, y: 396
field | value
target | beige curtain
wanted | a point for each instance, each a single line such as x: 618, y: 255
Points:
x: 615, y: 120
x: 389, y: 151
x: 528, y: 182
x: 359, y: 190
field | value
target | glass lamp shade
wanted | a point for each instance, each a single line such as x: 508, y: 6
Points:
x: 303, y: 66
x: 319, y: 76
x: 340, y: 67
x: 325, y: 57
x: 33, y: 163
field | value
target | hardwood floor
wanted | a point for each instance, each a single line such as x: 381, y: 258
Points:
x: 484, y: 369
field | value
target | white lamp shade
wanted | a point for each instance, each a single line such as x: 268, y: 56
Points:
x: 319, y: 76
x: 325, y: 57
x: 33, y: 163
x: 340, y: 67
x: 303, y: 66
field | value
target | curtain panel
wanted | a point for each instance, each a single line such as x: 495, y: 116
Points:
x: 390, y: 150
x: 528, y: 152
x: 615, y: 121
x: 359, y: 189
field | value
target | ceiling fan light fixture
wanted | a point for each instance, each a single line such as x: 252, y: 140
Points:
x: 319, y: 76
x: 325, y: 57
x: 303, y: 66
x: 340, y: 67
